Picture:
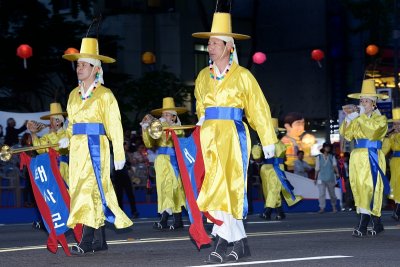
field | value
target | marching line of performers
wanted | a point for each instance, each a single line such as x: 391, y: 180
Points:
x: 225, y: 92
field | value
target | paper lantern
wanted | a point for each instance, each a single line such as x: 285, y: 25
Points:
x: 148, y: 58
x: 71, y: 50
x: 259, y: 57
x: 317, y: 55
x: 372, y: 50
x: 24, y: 51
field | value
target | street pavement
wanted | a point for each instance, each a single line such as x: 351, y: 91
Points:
x: 302, y: 239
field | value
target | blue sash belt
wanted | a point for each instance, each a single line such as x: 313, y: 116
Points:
x: 64, y: 158
x: 373, y: 147
x: 235, y: 114
x: 281, y: 174
x: 93, y: 132
x: 396, y: 153
x: 172, y: 157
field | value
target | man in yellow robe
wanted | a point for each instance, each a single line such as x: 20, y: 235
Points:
x: 367, y: 161
x: 170, y: 194
x: 94, y: 119
x: 56, y: 132
x: 392, y: 143
x: 225, y: 92
x: 273, y: 182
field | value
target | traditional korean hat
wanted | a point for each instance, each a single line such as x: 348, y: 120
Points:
x: 168, y: 104
x: 89, y: 49
x: 55, y: 109
x: 395, y: 115
x: 368, y: 90
x: 221, y: 26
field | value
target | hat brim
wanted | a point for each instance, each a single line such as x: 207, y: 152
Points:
x: 206, y: 35
x: 47, y: 117
x: 159, y: 111
x: 393, y: 120
x: 359, y: 95
x: 75, y: 57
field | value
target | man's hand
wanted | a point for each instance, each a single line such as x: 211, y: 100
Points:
x: 63, y: 142
x: 119, y: 165
x: 269, y: 151
x: 351, y: 116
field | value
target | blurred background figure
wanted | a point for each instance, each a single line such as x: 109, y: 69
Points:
x: 300, y: 166
x: 11, y: 137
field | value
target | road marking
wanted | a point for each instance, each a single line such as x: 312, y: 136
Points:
x: 274, y: 261
x: 173, y: 239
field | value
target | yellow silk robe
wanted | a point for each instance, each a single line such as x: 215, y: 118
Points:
x: 86, y: 205
x: 223, y: 186
x: 53, y: 138
x: 372, y: 128
x: 170, y: 193
x: 392, y: 143
x: 271, y: 185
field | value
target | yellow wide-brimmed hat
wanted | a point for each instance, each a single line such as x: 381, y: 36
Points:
x: 276, y: 125
x: 395, y: 115
x: 368, y: 89
x: 168, y: 104
x: 222, y: 26
x: 89, y: 49
x: 55, y: 109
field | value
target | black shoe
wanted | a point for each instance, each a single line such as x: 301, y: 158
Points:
x: 178, y: 223
x: 281, y: 215
x: 163, y: 223
x: 361, y: 229
x: 377, y: 226
x: 240, y: 250
x: 266, y: 215
x: 80, y: 251
x: 135, y: 215
x: 219, y: 251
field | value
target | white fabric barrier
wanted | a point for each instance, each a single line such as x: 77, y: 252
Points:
x: 306, y: 188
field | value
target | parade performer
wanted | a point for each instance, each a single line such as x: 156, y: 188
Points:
x: 367, y: 127
x: 170, y: 193
x: 94, y: 119
x: 392, y: 143
x: 225, y: 92
x: 56, y: 132
x: 274, y: 181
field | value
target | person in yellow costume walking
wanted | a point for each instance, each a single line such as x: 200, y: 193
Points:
x: 225, y: 92
x: 56, y: 132
x: 367, y: 127
x: 94, y: 119
x: 170, y: 193
x: 274, y: 181
x: 392, y: 143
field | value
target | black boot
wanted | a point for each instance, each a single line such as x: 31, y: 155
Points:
x: 396, y: 212
x: 99, y: 241
x: 266, y: 215
x: 280, y: 214
x: 177, y: 221
x: 219, y: 251
x: 377, y: 226
x: 361, y: 229
x: 240, y: 250
x: 162, y: 224
x: 85, y: 246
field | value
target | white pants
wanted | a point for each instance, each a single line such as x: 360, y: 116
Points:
x: 231, y: 230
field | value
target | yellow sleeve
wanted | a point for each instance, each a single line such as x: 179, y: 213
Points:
x: 257, y: 110
x: 344, y: 130
x: 112, y: 125
x: 198, y: 92
x: 374, y: 127
x: 386, y: 146
x: 39, y: 141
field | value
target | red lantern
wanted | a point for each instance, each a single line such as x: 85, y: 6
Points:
x: 71, y: 50
x: 372, y: 50
x: 259, y: 58
x: 317, y: 55
x: 24, y: 51
x: 148, y: 58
